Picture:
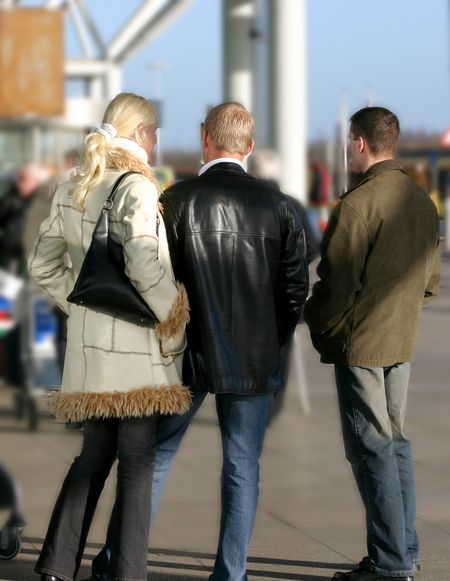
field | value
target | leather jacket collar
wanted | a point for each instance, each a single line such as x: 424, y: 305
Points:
x: 226, y: 166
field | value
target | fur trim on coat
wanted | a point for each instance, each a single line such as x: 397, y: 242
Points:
x: 123, y: 160
x: 178, y: 316
x: 146, y: 401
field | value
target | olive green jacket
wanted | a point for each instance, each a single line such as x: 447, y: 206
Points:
x: 379, y: 262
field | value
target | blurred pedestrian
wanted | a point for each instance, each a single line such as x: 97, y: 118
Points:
x: 14, y: 210
x: 319, y: 197
x: 239, y: 246
x: 265, y: 165
x: 117, y: 376
x: 13, y: 214
x: 38, y: 208
x: 379, y: 262
x: 37, y: 211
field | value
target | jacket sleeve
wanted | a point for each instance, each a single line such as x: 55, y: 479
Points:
x: 293, y: 280
x: 171, y: 221
x: 46, y: 262
x: 165, y: 298
x: 343, y: 251
x: 433, y: 286
x: 312, y: 243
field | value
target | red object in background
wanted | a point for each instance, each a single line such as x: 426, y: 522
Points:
x: 323, y: 225
x: 320, y: 191
x: 445, y: 138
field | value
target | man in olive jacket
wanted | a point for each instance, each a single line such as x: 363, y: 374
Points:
x: 379, y: 262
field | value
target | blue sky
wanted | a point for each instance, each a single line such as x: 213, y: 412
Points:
x: 399, y: 51
x: 396, y: 50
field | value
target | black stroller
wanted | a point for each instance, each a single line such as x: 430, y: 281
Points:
x: 10, y: 541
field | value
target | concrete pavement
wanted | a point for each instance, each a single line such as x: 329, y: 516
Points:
x: 310, y: 522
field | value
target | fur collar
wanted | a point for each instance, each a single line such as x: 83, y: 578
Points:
x: 124, y: 160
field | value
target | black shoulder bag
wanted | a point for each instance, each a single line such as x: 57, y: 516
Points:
x: 102, y: 284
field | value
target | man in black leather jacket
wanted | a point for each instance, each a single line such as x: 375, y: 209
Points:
x: 239, y: 247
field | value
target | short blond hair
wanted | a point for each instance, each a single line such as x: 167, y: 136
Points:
x: 230, y: 127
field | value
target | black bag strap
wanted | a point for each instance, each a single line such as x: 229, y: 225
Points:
x: 109, y: 202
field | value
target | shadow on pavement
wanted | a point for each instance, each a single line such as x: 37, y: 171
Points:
x: 22, y: 569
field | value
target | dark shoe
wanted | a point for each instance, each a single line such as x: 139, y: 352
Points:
x: 368, y: 576
x: 361, y: 574
x: 96, y: 578
x: 73, y: 426
x: 46, y: 577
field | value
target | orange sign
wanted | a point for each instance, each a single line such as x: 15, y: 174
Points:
x: 31, y: 62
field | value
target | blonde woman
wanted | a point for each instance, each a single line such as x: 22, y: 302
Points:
x: 117, y: 376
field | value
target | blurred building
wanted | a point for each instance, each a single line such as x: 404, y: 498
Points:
x: 47, y: 101
x: 264, y: 52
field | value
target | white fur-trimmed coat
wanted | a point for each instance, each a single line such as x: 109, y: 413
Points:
x: 114, y: 368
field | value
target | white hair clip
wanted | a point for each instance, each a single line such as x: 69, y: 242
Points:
x: 107, y: 130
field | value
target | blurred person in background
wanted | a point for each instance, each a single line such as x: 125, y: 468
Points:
x: 117, y: 376
x: 379, y: 262
x: 37, y: 212
x: 319, y: 197
x: 42, y: 197
x: 264, y: 164
x: 30, y: 181
x: 239, y: 246
x: 14, y: 207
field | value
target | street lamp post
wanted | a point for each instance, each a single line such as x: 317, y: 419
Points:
x: 158, y: 68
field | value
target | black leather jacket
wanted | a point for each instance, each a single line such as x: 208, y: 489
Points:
x: 239, y: 247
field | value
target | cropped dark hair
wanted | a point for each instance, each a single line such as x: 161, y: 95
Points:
x: 378, y: 126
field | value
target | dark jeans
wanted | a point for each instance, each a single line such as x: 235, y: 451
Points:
x: 132, y: 441
x: 242, y: 421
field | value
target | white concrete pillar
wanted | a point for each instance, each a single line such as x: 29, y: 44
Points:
x: 36, y: 143
x: 96, y: 87
x: 288, y: 87
x: 113, y: 81
x: 238, y: 22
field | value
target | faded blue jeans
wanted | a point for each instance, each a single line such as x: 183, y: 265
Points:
x: 372, y: 404
x: 242, y: 421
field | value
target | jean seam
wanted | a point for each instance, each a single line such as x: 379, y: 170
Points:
x: 368, y: 506
x: 42, y: 570
x: 396, y: 573
x: 127, y: 579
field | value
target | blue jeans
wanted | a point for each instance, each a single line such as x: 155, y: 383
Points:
x: 372, y: 404
x: 242, y: 421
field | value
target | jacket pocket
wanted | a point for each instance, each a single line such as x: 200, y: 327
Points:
x: 326, y: 345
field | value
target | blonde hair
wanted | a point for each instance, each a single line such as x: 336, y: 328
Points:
x: 230, y: 127
x: 127, y: 113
